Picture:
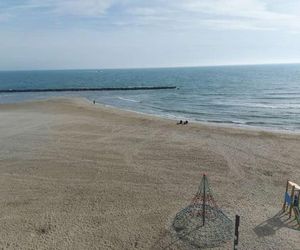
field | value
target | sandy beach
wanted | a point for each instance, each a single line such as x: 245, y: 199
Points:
x: 80, y: 176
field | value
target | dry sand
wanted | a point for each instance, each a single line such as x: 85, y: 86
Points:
x: 74, y: 175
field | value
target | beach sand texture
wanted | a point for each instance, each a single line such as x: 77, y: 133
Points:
x: 74, y: 175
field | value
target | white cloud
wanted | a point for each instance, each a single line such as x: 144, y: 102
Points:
x: 217, y: 14
x: 178, y: 14
x: 93, y: 8
x: 135, y: 33
x: 225, y: 24
x: 225, y: 7
x: 242, y: 14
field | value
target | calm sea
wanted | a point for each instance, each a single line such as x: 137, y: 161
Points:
x: 262, y: 95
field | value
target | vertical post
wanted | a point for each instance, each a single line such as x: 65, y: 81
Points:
x: 286, y: 190
x: 292, y: 202
x: 204, y: 198
x: 236, y: 232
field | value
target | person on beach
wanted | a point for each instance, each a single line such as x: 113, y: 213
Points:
x: 94, y: 101
x: 186, y: 122
x: 180, y: 122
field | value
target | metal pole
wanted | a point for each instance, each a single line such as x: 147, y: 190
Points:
x: 204, y: 194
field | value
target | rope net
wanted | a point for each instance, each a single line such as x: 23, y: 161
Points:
x: 202, y: 224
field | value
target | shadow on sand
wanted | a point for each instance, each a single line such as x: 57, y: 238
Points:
x: 278, y: 221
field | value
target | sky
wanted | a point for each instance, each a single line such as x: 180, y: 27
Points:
x: 80, y: 34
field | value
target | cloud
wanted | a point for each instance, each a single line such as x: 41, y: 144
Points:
x: 243, y: 9
x: 220, y: 14
x: 90, y: 8
x: 167, y: 14
x: 134, y: 33
x: 225, y: 7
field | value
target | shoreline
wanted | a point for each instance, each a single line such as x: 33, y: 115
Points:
x: 218, y: 125
x: 208, y: 123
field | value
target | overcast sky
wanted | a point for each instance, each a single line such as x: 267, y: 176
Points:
x: 65, y: 34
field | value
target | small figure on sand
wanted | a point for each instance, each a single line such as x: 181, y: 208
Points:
x: 94, y: 101
x: 182, y: 123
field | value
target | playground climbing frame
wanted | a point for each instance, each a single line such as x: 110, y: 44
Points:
x: 291, y: 200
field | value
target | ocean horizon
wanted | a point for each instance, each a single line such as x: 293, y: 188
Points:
x: 259, y: 96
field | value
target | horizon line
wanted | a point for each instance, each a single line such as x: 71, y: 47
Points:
x: 159, y: 67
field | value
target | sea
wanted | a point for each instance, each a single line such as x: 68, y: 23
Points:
x: 256, y: 96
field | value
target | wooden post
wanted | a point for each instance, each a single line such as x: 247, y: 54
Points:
x: 204, y: 194
x: 236, y: 232
x: 286, y: 190
x: 292, y: 202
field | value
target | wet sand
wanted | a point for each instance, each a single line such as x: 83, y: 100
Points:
x: 80, y: 176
